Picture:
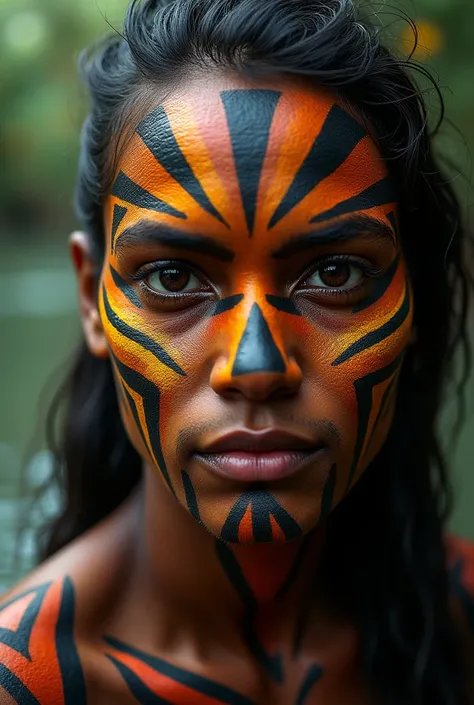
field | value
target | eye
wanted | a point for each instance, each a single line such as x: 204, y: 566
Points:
x: 173, y: 279
x: 336, y: 275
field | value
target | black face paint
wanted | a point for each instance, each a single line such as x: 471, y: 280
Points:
x: 119, y: 215
x: 257, y: 350
x: 140, y: 338
x: 283, y: 303
x: 378, y: 335
x: 250, y: 116
x: 127, y: 190
x: 156, y: 132
x: 339, y: 136
x: 263, y: 506
x: 378, y: 194
x: 125, y: 288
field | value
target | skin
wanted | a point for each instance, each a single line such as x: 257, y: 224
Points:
x: 203, y: 589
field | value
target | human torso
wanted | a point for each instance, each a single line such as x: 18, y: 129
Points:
x: 63, y: 641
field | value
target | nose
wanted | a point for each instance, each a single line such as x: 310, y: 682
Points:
x: 259, y: 370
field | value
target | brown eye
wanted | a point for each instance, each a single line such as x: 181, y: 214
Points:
x: 172, y: 280
x: 336, y: 275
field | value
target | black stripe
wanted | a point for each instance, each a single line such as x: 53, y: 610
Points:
x: 327, y: 498
x: 230, y: 530
x: 272, y: 665
x: 234, y: 572
x: 119, y: 215
x: 138, y: 423
x: 363, y: 389
x: 125, y: 288
x: 295, y: 568
x: 378, y: 194
x: 338, y: 137
x: 313, y: 675
x: 249, y: 116
x: 156, y: 132
x: 150, y: 395
x: 140, y: 338
x: 140, y: 691
x: 74, y: 686
x: 191, y: 680
x: 377, y: 336
x: 227, y: 304
x: 127, y: 190
x: 19, y: 638
x: 283, y: 303
x: 191, y: 498
x: 379, y: 287
x: 16, y: 688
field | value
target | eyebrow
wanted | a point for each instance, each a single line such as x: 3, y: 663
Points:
x: 340, y: 231
x: 147, y: 231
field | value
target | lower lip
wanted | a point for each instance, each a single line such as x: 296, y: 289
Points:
x: 258, y: 467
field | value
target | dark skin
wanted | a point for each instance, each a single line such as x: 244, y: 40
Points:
x: 250, y: 291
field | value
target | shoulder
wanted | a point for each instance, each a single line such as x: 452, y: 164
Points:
x: 38, y: 646
x: 48, y: 622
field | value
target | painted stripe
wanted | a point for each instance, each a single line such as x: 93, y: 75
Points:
x: 338, y: 137
x: 227, y: 304
x: 127, y: 190
x: 16, y: 688
x: 327, y: 498
x: 283, y: 303
x: 377, y: 336
x: 119, y: 214
x: 74, y: 685
x: 379, y: 194
x: 249, y: 117
x: 156, y: 132
x: 125, y: 288
x: 150, y: 395
x: 313, y: 675
x: 379, y: 287
x: 140, y: 338
x: 191, y: 499
x: 191, y: 680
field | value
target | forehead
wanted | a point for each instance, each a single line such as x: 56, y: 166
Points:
x: 246, y: 157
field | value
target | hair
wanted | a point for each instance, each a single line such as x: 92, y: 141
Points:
x: 390, y: 571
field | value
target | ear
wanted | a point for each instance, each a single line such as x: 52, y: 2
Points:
x: 87, y: 275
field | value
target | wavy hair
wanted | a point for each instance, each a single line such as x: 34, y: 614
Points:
x: 388, y: 572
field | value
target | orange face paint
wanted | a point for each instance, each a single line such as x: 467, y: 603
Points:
x: 242, y: 193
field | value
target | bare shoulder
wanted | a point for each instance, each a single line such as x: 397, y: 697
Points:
x: 47, y: 622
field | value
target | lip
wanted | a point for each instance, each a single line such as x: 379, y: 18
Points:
x: 258, y: 457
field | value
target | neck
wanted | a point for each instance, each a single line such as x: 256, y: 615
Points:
x: 260, y: 592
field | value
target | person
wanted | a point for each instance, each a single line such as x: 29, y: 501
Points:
x: 274, y: 286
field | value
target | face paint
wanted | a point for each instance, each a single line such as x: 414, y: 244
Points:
x: 251, y: 193
x: 39, y: 638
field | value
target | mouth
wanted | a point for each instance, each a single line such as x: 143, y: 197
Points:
x: 258, y: 457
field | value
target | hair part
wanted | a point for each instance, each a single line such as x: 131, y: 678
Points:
x: 392, y: 577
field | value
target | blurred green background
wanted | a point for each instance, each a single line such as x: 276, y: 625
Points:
x: 41, y: 109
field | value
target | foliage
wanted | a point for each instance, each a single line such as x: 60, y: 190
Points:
x: 43, y: 104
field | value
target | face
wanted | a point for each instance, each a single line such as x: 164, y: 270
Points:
x: 255, y: 303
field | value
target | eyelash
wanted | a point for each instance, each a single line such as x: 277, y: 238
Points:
x: 368, y: 271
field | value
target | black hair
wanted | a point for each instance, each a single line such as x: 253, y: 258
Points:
x: 389, y: 570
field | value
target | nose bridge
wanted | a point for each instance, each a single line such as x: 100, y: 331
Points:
x: 258, y: 366
x: 257, y: 350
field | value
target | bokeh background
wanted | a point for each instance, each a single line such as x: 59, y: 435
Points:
x: 41, y: 109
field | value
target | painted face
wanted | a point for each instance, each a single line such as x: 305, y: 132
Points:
x: 254, y: 281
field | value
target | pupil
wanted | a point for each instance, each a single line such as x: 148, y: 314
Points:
x: 335, y: 275
x: 174, y: 279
